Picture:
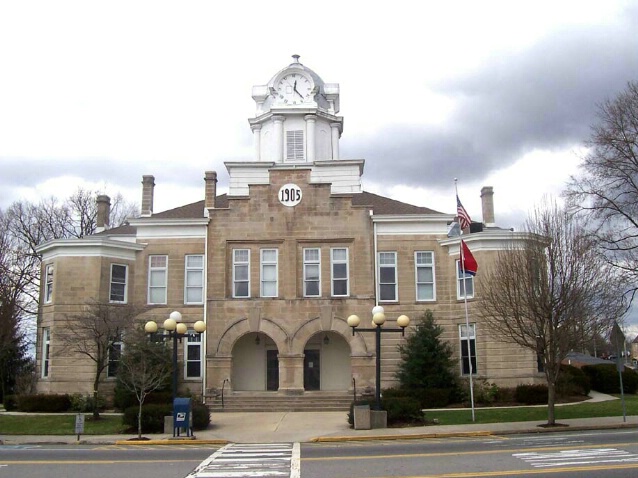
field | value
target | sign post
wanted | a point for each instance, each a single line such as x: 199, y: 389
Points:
x: 79, y: 425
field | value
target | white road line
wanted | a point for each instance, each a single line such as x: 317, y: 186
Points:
x: 577, y: 457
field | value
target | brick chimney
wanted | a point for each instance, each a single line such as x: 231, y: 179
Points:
x: 210, y: 178
x: 103, y: 212
x: 487, y: 202
x: 148, y: 185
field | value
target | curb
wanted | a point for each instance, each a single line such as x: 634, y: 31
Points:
x: 170, y: 441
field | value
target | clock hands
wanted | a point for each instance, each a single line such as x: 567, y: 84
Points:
x: 294, y: 88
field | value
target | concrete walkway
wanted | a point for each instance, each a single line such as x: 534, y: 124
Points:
x: 273, y: 427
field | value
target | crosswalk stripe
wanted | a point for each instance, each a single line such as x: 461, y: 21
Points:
x: 251, y: 461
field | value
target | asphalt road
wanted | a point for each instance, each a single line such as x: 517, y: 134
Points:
x: 609, y: 453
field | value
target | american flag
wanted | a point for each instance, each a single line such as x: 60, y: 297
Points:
x: 464, y: 217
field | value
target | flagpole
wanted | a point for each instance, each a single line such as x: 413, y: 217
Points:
x: 467, y: 319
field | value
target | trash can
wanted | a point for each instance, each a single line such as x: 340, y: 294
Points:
x: 182, y: 416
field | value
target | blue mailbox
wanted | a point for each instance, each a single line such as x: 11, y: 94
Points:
x: 182, y: 416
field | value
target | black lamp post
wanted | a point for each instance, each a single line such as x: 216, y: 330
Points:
x: 176, y: 330
x: 378, y: 319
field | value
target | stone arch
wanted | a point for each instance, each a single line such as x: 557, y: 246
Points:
x: 241, y: 327
x: 313, y: 326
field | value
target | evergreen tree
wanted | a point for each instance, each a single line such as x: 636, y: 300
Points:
x: 426, y: 360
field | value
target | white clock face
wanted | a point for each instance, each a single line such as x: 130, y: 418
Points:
x: 294, y: 89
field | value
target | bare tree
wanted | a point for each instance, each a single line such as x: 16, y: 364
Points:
x: 606, y: 190
x: 145, y: 366
x: 551, y: 292
x: 97, y: 333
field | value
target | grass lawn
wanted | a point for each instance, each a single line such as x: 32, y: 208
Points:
x: 58, y: 425
x: 523, y: 414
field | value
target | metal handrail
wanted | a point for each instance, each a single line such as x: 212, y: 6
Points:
x: 354, y: 389
x: 223, y: 385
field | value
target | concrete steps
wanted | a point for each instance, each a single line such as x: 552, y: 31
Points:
x: 275, y: 402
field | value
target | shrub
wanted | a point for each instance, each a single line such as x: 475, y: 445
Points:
x: 485, y: 393
x: 201, y: 416
x: 531, y: 394
x: 44, y: 403
x: 572, y: 381
x: 402, y: 410
x: 10, y: 403
x: 84, y: 403
x: 124, y: 399
x: 604, y: 379
x: 152, y: 417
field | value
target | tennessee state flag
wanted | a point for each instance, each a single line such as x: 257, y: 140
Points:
x: 468, y: 263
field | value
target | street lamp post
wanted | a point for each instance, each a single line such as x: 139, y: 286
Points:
x: 378, y: 319
x: 176, y: 331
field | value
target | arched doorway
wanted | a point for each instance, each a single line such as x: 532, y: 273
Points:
x: 255, y: 363
x: 327, y: 362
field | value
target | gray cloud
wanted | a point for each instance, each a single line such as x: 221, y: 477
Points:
x: 543, y: 97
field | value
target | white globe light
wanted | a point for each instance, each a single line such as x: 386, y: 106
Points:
x: 170, y: 324
x: 377, y: 309
x: 378, y: 318
x: 200, y: 326
x: 150, y: 327
x: 403, y: 321
x: 353, y: 321
x: 176, y: 316
x: 181, y: 328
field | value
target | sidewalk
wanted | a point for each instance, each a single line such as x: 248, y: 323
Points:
x: 274, y: 427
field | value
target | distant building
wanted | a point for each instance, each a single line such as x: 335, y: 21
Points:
x: 277, y: 265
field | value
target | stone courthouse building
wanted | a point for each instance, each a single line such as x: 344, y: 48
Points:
x: 275, y: 266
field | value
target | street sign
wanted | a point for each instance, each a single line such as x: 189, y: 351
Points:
x: 79, y: 424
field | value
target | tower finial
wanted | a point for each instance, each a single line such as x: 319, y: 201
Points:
x: 296, y: 58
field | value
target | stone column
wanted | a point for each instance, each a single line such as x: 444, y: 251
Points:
x: 310, y: 137
x: 335, y: 127
x: 257, y: 140
x: 279, y: 138
x: 291, y: 374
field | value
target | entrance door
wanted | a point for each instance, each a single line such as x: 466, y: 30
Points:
x: 311, y: 370
x: 272, y: 370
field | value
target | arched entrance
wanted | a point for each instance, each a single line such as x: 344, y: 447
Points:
x: 327, y: 362
x: 255, y: 363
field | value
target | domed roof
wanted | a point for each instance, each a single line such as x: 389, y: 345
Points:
x: 296, y: 65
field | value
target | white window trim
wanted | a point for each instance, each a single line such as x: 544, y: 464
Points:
x: 305, y: 263
x: 188, y: 287
x: 396, y: 277
x: 459, y: 292
x: 46, y: 352
x: 269, y: 263
x: 416, y: 276
x: 346, y: 261
x: 462, y: 339
x: 165, y: 286
x: 235, y: 281
x: 188, y: 344
x: 125, y: 284
x: 48, y: 284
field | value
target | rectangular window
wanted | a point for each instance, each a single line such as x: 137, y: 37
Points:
x: 339, y: 267
x: 157, y: 279
x: 193, y: 356
x: 464, y: 283
x: 424, y: 271
x: 194, y: 279
x: 294, y: 145
x: 312, y: 272
x: 465, y: 356
x: 46, y: 346
x: 269, y: 273
x: 114, y: 355
x: 48, y: 290
x: 241, y: 273
x: 388, y: 276
x: 118, y: 291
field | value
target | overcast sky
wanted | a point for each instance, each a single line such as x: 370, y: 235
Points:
x: 97, y: 94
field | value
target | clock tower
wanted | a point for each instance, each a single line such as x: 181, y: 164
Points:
x: 296, y: 119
